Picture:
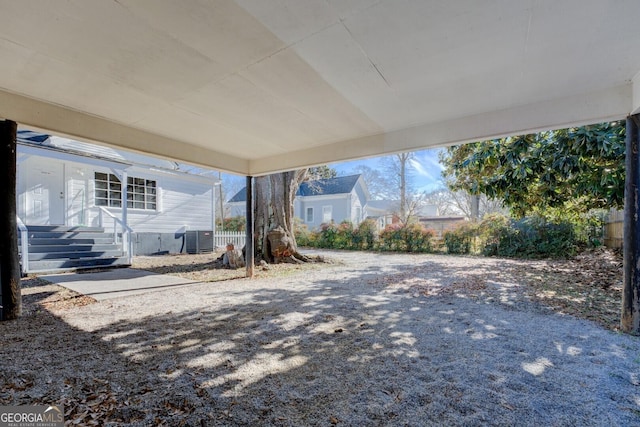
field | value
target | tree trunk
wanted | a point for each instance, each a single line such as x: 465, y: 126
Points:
x: 10, y: 273
x: 275, y: 239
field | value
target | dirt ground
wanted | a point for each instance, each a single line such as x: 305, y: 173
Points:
x: 588, y: 286
x: 353, y: 341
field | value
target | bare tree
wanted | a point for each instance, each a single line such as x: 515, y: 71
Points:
x: 461, y: 203
x: 399, y: 173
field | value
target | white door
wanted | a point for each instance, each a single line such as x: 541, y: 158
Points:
x: 45, y: 194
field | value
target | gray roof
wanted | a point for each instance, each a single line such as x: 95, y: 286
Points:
x: 321, y: 187
x: 103, y: 152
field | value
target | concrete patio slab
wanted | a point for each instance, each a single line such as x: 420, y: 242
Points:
x: 115, y: 283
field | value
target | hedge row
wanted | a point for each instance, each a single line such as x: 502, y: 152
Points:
x: 496, y: 235
x: 409, y: 238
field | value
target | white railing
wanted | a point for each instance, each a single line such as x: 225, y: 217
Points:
x: 127, y: 243
x: 221, y: 238
x: 24, y: 245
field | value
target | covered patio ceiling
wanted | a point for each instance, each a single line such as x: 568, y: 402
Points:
x: 259, y: 86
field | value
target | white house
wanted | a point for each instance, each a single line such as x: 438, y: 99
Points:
x: 322, y: 201
x: 66, y: 185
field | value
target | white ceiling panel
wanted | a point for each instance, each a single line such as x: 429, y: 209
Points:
x: 257, y: 86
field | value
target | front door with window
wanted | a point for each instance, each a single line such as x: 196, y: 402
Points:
x: 45, y: 197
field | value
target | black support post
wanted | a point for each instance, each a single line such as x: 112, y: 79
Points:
x: 630, y: 319
x: 9, y: 262
x: 249, y: 237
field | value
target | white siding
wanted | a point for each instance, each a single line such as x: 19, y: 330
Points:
x: 184, y: 202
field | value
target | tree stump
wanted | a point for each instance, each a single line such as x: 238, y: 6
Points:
x: 282, y: 248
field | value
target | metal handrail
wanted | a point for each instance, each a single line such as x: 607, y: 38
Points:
x: 127, y: 243
x: 24, y: 245
x: 80, y: 194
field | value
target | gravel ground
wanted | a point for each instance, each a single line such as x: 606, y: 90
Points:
x: 374, y: 340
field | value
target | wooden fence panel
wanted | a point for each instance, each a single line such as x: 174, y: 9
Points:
x: 613, y: 229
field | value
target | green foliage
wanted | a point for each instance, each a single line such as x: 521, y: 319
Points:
x: 365, y: 236
x: 328, y: 236
x: 304, y: 237
x: 460, y: 239
x: 490, y: 230
x: 237, y: 223
x: 535, y: 237
x: 496, y: 235
x: 572, y: 170
x: 320, y: 172
x: 529, y: 237
x: 411, y: 237
x: 390, y: 238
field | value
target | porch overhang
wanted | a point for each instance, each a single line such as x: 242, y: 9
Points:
x: 254, y: 86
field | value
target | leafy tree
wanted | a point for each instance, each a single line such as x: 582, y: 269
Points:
x: 571, y: 170
x: 320, y: 172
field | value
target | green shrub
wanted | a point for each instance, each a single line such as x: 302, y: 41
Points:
x: 365, y: 236
x: 236, y: 223
x: 304, y: 236
x: 406, y: 238
x: 390, y: 238
x: 536, y: 237
x: 490, y: 232
x: 327, y: 235
x: 344, y: 236
x: 460, y: 239
x: 417, y: 238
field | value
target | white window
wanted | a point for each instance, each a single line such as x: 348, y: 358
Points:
x: 141, y: 193
x: 358, y: 215
x: 108, y: 190
x: 309, y: 215
x: 327, y: 213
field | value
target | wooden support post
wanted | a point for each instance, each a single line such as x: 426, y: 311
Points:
x: 630, y: 320
x: 249, y: 237
x: 9, y: 261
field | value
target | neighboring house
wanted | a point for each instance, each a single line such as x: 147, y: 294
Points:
x: 66, y: 185
x: 322, y: 201
x: 383, y: 212
x: 442, y: 224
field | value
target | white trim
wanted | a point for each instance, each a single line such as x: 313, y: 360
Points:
x: 613, y: 103
x: 65, y: 156
x: 324, y: 213
x: 321, y: 197
x: 64, y: 121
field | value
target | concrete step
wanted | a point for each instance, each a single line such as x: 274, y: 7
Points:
x: 51, y: 266
x: 106, y: 240
x: 74, y: 255
x: 64, y: 229
x: 67, y: 235
x: 73, y: 246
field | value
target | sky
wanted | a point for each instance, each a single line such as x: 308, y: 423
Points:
x: 425, y: 169
x: 425, y: 173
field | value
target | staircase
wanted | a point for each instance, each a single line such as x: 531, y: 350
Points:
x: 60, y: 248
